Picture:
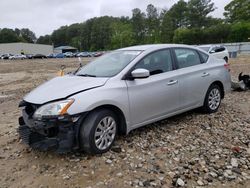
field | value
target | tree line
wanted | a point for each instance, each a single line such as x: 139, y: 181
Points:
x: 17, y: 35
x: 185, y: 22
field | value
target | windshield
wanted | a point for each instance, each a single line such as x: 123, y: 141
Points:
x: 204, y: 48
x: 108, y: 65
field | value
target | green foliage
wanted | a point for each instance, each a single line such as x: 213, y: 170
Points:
x: 122, y: 35
x: 27, y: 35
x: 237, y: 10
x: 173, y: 19
x: 101, y: 33
x: 8, y: 35
x: 152, y: 25
x: 214, y: 34
x: 185, y: 22
x: 187, y: 36
x: 197, y: 12
x: 240, y: 32
x: 138, y: 21
x: 44, y: 39
x: 59, y: 37
x: 17, y: 35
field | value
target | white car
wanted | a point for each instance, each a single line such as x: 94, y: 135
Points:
x: 218, y: 51
x: 18, y: 56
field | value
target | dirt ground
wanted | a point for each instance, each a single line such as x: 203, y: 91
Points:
x: 152, y: 156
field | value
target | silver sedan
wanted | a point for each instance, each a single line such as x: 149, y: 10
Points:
x: 118, y: 92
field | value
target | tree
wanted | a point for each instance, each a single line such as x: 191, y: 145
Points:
x: 237, y: 10
x: 188, y: 36
x: 152, y: 25
x: 122, y: 35
x: 8, y: 36
x: 173, y: 19
x: 240, y: 32
x: 138, y: 25
x: 59, y: 36
x: 28, y: 35
x: 216, y: 33
x: 101, y: 33
x: 18, y: 32
x: 197, y: 12
x: 44, y: 40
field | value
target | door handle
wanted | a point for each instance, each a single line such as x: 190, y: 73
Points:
x: 172, y: 82
x: 205, y: 74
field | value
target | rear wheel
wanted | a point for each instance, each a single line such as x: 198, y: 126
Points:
x: 98, y: 131
x: 213, y: 99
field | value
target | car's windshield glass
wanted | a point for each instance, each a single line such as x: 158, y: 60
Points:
x: 108, y: 65
x: 204, y: 48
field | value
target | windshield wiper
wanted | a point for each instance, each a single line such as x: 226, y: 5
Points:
x: 86, y: 75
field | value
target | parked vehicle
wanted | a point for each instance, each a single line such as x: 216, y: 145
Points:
x: 75, y: 54
x: 39, y: 56
x: 84, y: 54
x: 6, y: 56
x: 17, y: 56
x: 68, y: 54
x: 53, y: 55
x: 60, y: 55
x: 218, y: 51
x: 118, y: 92
x: 98, y: 54
x: 29, y: 56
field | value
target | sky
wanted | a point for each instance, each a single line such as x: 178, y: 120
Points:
x: 44, y: 16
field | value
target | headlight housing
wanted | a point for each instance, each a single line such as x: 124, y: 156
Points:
x: 53, y: 109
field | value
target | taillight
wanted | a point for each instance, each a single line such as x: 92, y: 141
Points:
x: 227, y: 66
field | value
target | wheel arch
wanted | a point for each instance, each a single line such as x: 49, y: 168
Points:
x: 122, y: 128
x: 220, y: 84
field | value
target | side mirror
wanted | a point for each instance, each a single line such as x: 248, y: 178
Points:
x: 140, y: 73
x: 212, y: 51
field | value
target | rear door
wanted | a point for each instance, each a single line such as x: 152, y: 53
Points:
x: 194, y: 77
x: 157, y: 95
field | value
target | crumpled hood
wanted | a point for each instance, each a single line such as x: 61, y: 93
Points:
x: 62, y: 87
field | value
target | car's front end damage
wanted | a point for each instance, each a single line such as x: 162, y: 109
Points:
x: 48, y: 132
x: 45, y: 122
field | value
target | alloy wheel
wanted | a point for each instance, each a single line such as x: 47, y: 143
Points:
x: 214, y: 99
x: 105, y: 133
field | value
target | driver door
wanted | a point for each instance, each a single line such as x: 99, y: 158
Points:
x: 156, y: 96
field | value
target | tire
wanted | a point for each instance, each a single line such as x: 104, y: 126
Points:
x: 98, y: 131
x: 213, y: 99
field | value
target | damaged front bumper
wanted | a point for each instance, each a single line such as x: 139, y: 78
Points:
x: 60, y: 134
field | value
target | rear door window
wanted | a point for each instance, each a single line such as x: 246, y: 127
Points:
x: 187, y: 57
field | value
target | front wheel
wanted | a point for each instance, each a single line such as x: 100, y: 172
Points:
x: 98, y: 131
x: 213, y: 99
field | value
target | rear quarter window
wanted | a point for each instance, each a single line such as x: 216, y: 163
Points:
x: 204, y: 57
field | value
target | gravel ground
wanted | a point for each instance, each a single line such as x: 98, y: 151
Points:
x: 189, y: 150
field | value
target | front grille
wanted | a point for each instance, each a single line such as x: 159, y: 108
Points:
x: 28, y: 136
x: 24, y: 133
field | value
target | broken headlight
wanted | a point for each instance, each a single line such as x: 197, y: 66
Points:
x: 53, y: 109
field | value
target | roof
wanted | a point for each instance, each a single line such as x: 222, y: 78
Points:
x: 65, y: 48
x: 153, y: 46
x: 24, y: 43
